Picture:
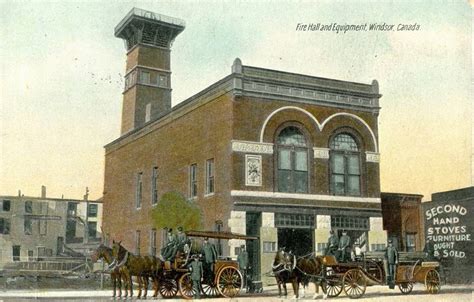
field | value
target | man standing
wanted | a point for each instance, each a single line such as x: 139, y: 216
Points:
x: 333, y: 242
x: 196, y: 276
x: 429, y: 250
x: 210, y: 256
x: 167, y: 250
x: 391, y: 255
x: 243, y: 260
x: 344, y: 243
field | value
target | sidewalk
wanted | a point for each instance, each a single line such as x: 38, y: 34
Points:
x: 55, y: 293
x: 270, y: 293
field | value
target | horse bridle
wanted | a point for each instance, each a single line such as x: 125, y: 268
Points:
x: 286, y: 266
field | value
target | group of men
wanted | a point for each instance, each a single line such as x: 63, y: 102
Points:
x: 175, y: 243
x: 200, y: 269
x: 339, y: 247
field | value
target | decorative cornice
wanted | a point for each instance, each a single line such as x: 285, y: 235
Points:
x: 313, y: 95
x: 315, y: 197
x: 167, y: 71
x: 372, y: 157
x: 252, y: 147
x: 321, y: 153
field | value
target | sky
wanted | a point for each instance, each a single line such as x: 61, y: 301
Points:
x: 61, y: 80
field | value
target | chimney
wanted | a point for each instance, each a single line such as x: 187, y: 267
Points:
x: 43, y: 192
x: 19, y: 193
x: 148, y: 37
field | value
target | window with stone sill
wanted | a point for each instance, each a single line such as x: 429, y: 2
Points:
x: 137, y: 242
x: 210, y: 176
x: 92, y: 210
x: 153, y: 242
x: 345, y: 165
x: 28, y: 226
x: 193, y: 181
x: 6, y: 205
x: 139, y: 190
x: 28, y: 207
x: 154, y: 186
x: 292, y: 167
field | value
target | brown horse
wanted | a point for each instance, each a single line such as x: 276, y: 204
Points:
x: 104, y: 252
x: 142, y: 267
x: 310, y: 269
x: 283, y: 269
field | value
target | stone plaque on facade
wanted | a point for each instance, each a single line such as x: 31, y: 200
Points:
x: 372, y: 157
x: 253, y: 170
x: 252, y: 147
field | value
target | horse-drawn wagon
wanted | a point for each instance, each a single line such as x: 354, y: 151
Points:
x: 224, y: 279
x: 354, y: 277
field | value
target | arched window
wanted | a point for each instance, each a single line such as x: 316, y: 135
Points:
x: 345, y: 165
x: 292, y: 172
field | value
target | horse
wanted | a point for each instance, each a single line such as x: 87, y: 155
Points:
x: 104, y: 252
x: 283, y: 269
x: 309, y: 268
x: 142, y: 267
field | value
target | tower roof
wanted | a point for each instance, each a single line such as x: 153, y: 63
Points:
x: 141, y: 26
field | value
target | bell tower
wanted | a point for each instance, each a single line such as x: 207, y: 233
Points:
x: 148, y: 38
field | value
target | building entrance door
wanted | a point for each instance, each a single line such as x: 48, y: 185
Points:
x: 299, y: 241
x: 253, y: 224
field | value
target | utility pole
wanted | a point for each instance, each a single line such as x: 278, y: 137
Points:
x: 86, y: 224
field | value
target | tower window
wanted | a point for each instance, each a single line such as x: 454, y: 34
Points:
x: 145, y: 77
x: 163, y: 81
x: 148, y: 112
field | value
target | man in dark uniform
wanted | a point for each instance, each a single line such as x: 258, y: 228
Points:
x: 344, y: 243
x: 210, y: 256
x: 196, y: 276
x: 243, y: 260
x: 167, y: 250
x: 429, y: 250
x: 182, y: 239
x: 391, y: 255
x: 333, y: 243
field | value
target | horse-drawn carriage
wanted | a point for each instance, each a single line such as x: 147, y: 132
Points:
x: 354, y: 277
x: 224, y: 279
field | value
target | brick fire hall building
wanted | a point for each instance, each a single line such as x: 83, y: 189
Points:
x: 278, y: 155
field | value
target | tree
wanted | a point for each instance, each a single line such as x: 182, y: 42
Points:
x: 173, y: 210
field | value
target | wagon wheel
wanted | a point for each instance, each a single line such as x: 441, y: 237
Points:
x: 229, y: 281
x: 432, y: 281
x: 168, y: 288
x: 405, y: 287
x: 375, y: 271
x: 333, y: 287
x: 186, y: 286
x: 354, y: 283
x: 210, y: 290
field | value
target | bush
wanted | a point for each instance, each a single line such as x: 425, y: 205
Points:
x: 173, y: 210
